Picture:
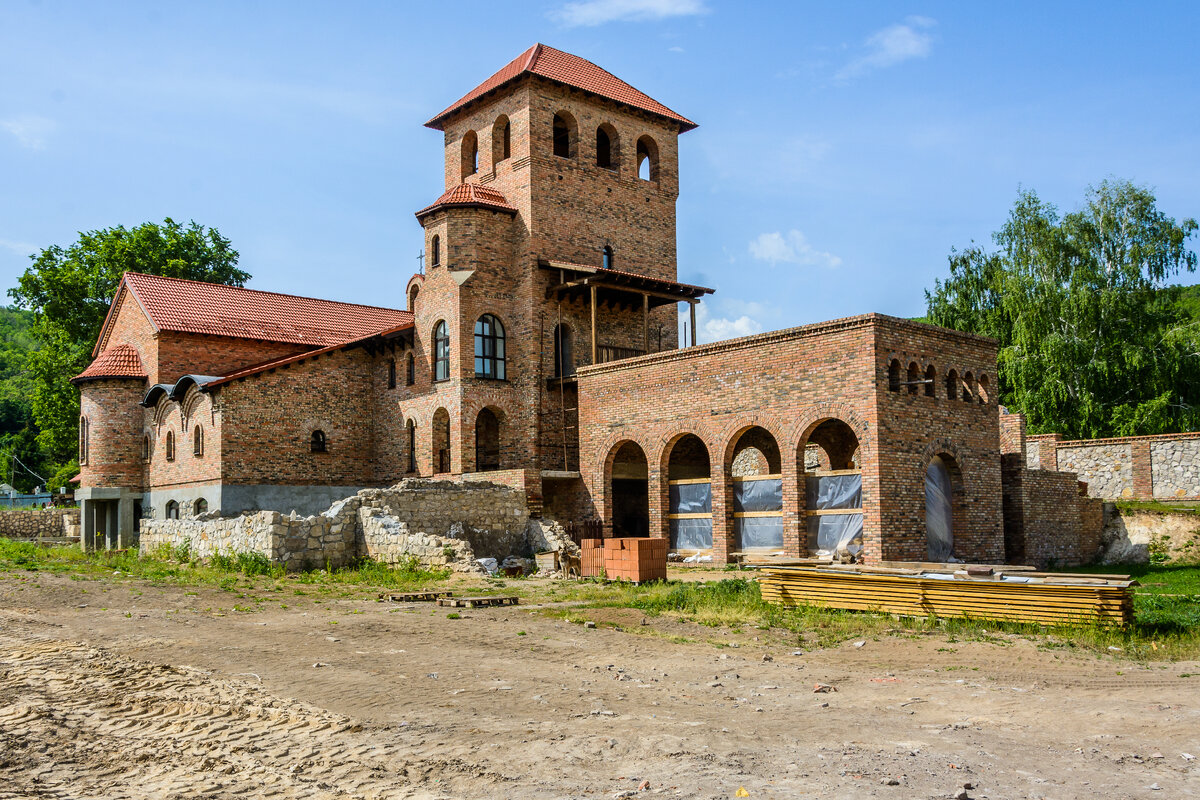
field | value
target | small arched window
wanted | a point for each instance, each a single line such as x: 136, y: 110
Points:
x: 930, y: 381
x: 647, y: 159
x: 489, y: 348
x: 470, y: 154
x: 501, y: 140
x: 172, y: 509
x: 967, y: 390
x: 435, y: 255
x: 564, y: 135
x: 441, y: 352
x: 200, y: 507
x: 606, y: 259
x: 604, y: 148
x: 146, y: 448
x: 410, y: 370
x: 391, y: 373
x: 316, y: 442
x: 412, y: 446
x: 952, y: 385
x: 984, y: 389
x: 197, y: 441
x: 894, y: 375
x: 170, y: 445
x: 83, y: 440
x: 914, y: 378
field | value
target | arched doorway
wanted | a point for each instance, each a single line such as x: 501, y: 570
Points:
x: 756, y: 471
x: 689, y: 491
x: 943, y: 480
x: 832, y: 490
x: 487, y: 441
x: 441, y: 440
x: 630, y: 492
x: 564, y: 359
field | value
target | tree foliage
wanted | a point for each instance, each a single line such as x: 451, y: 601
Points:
x: 69, y: 291
x: 1093, y: 341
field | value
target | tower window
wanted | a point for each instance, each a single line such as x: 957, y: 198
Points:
x: 410, y: 370
x: 391, y: 373
x: 894, y: 375
x: 198, y: 441
x: 607, y: 258
x: 501, y: 140
x: 170, y: 445
x: 145, y: 448
x: 605, y: 139
x: 647, y: 159
x: 564, y: 135
x: 470, y: 154
x: 489, y: 348
x: 316, y: 442
x: 83, y: 440
x: 412, y: 446
x: 435, y: 253
x: 441, y: 352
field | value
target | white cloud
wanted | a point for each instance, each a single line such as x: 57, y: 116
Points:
x: 891, y: 46
x: 587, y: 13
x: 715, y: 329
x: 30, y: 130
x: 20, y: 248
x: 791, y: 248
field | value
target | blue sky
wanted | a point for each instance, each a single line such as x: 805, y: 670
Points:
x: 843, y: 149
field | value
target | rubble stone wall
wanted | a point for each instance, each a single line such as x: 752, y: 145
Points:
x: 1106, y: 468
x: 39, y: 523
x: 1175, y: 466
x: 1160, y: 467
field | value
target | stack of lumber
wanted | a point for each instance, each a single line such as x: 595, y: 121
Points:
x: 1019, y: 594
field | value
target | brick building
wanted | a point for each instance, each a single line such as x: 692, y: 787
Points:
x: 540, y: 346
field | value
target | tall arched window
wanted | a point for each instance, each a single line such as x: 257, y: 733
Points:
x: 412, y: 446
x: 606, y: 147
x: 930, y: 381
x: 83, y: 440
x: 470, y: 154
x: 984, y: 389
x: 564, y: 135
x: 170, y: 445
x: 914, y: 377
x: 952, y: 385
x: 410, y: 370
x: 391, y: 373
x: 606, y: 260
x: 647, y: 159
x: 501, y: 140
x: 197, y: 441
x: 435, y: 253
x: 894, y: 375
x: 489, y: 348
x: 564, y: 362
x: 441, y: 352
x: 316, y: 442
x: 146, y: 447
x: 967, y: 390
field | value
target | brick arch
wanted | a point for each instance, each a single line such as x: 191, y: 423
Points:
x: 732, y: 432
x: 665, y: 443
x: 611, y: 447
x: 815, y: 415
x: 958, y: 487
x: 194, y: 402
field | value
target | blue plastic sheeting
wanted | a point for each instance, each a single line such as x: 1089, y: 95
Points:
x: 830, y: 533
x: 834, y: 491
x: 691, y: 534
x: 758, y: 495
x: 757, y: 533
x: 690, y: 498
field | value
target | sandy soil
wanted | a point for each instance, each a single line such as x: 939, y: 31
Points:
x: 125, y: 690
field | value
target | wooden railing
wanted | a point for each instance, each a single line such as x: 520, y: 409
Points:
x: 606, y: 353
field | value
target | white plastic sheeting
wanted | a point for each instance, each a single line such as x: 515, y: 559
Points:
x: 691, y: 534
x: 834, y: 491
x: 829, y: 534
x: 761, y: 494
x: 939, y: 514
x: 690, y: 498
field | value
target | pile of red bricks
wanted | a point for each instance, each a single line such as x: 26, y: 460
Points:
x: 591, y: 559
x: 636, y: 560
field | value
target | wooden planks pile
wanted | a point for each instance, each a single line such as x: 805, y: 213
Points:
x: 999, y: 593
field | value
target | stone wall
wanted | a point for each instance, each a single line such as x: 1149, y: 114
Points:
x: 1175, y: 467
x: 39, y: 523
x: 1106, y: 468
x: 1163, y: 467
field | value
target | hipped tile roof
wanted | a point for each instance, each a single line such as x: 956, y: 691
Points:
x: 470, y: 195
x: 121, y: 361
x: 564, y: 68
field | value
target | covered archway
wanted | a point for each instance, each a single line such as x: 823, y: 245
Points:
x: 487, y: 441
x: 629, y: 491
x: 943, y: 490
x: 832, y: 482
x: 756, y: 473
x: 689, y: 494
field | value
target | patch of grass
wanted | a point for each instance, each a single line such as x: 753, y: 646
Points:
x: 1157, y: 507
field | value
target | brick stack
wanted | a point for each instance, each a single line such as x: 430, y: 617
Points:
x: 637, y: 560
x: 591, y: 559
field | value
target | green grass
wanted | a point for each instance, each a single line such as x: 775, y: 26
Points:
x: 1158, y: 507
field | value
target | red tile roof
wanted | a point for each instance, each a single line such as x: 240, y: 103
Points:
x: 560, y: 67
x: 470, y: 195
x: 121, y: 361
x: 173, y: 304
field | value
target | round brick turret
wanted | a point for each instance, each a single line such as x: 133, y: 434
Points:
x: 110, y: 420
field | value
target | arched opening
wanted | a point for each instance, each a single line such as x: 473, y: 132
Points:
x: 689, y: 495
x: 172, y: 510
x: 470, y: 154
x: 968, y: 388
x: 410, y: 370
x: 630, y: 492
x: 894, y: 375
x: 83, y: 440
x: 413, y: 294
x: 200, y: 507
x: 647, y: 159
x: 952, y: 385
x: 833, y: 490
x: 391, y: 373
x: 487, y: 441
x: 441, y: 440
x: 564, y: 360
x: 170, y: 445
x: 198, y: 441
x: 984, y: 390
x: 412, y: 446
x: 607, y: 153
x: 146, y: 447
x: 914, y: 378
x: 501, y: 140
x: 317, y: 443
x: 943, y: 489
x: 441, y: 352
x: 930, y: 381
x: 606, y: 257
x: 756, y: 472
x: 489, y: 348
x: 564, y: 135
x: 435, y: 256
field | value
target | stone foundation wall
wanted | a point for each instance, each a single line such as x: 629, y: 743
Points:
x: 39, y: 523
x: 1175, y: 467
x: 1163, y: 467
x: 1106, y: 468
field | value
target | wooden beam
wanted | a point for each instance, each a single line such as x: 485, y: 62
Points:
x: 594, y: 348
x: 645, y: 323
x: 692, y: 310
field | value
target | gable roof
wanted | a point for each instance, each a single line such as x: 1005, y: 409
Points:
x: 121, y: 361
x: 184, y: 306
x: 569, y: 70
x: 470, y: 195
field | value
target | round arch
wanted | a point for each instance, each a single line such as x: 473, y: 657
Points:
x: 627, y: 487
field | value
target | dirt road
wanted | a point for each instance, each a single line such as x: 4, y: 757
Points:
x: 126, y: 690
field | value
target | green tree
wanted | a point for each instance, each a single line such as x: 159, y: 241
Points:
x: 1092, y: 340
x: 70, y: 289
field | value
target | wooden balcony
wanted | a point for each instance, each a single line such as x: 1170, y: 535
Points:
x: 606, y: 353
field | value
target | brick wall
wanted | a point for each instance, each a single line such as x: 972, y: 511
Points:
x: 114, y: 432
x: 1047, y: 519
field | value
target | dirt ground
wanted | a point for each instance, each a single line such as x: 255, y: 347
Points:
x: 121, y: 689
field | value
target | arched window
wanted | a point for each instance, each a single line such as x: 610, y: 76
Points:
x: 894, y: 375
x: 607, y: 154
x: 914, y: 377
x: 172, y: 509
x: 435, y: 254
x: 197, y: 441
x: 170, y: 445
x: 564, y: 362
x: 501, y: 140
x: 470, y: 154
x: 647, y: 159
x: 984, y: 393
x: 968, y: 382
x: 146, y: 448
x: 316, y: 442
x: 410, y: 370
x: 487, y: 441
x: 564, y: 135
x: 200, y: 507
x: 391, y: 373
x: 930, y: 381
x: 412, y: 446
x: 83, y: 440
x: 489, y: 348
x: 952, y: 385
x: 441, y: 352
x: 606, y: 260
